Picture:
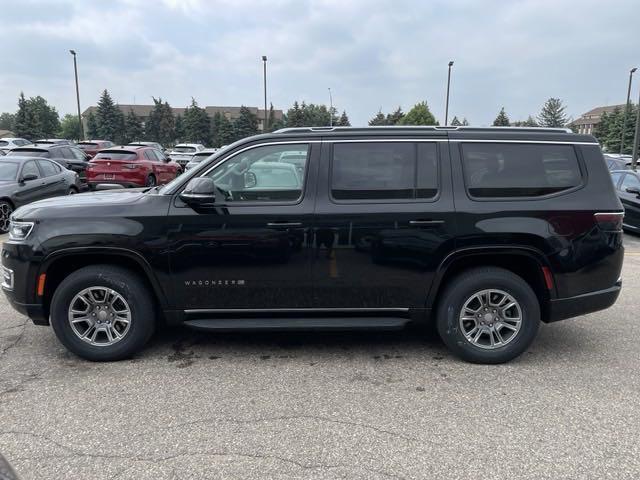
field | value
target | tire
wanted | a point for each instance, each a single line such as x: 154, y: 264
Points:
x: 131, y: 290
x: 151, y: 181
x: 72, y: 191
x: 6, y: 209
x: 464, y: 287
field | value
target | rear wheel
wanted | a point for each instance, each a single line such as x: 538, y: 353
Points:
x: 6, y: 209
x: 488, y: 315
x: 151, y: 181
x: 102, y: 313
x: 72, y: 191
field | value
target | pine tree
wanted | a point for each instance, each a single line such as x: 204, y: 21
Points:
x: 92, y: 126
x: 419, y: 115
x: 552, y: 114
x: 7, y: 121
x: 222, y: 130
x: 25, y: 120
x: 455, y: 122
x: 133, y: 127
x: 630, y: 128
x: 161, y: 124
x: 295, y: 116
x: 272, y: 123
x: 197, y: 126
x: 465, y: 122
x: 179, y: 129
x: 502, y: 120
x: 121, y: 127
x: 108, y: 118
x: 395, y: 118
x: 246, y: 124
x: 379, y: 119
x: 343, y: 121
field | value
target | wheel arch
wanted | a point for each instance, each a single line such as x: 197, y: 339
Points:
x: 527, y: 263
x: 63, y: 262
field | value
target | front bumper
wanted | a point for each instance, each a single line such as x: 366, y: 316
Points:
x: 563, y: 308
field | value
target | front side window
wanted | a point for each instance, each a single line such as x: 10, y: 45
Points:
x: 258, y: 175
x: 30, y: 168
x: 382, y: 171
x: 519, y: 169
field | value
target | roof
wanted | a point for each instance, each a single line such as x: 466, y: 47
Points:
x: 418, y: 129
x: 598, y: 111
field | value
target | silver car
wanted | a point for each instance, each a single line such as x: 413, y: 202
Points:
x: 199, y: 157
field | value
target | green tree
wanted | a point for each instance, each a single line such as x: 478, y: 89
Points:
x: 179, y: 129
x: 465, y: 122
x: 47, y: 122
x: 378, y: 120
x: 161, y: 124
x: 455, y: 122
x: 133, y: 127
x: 552, y: 114
x: 25, y: 120
x: 275, y: 123
x: 419, y: 115
x: 395, y: 118
x: 343, y: 121
x: 197, y: 126
x: 295, y: 116
x: 222, y: 130
x: 70, y: 127
x: 502, y: 120
x: 315, y: 115
x: 7, y: 121
x: 92, y: 126
x: 108, y: 118
x: 630, y: 129
x: 246, y: 124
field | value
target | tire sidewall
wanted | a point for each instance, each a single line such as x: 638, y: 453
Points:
x: 462, y: 290
x: 131, y: 289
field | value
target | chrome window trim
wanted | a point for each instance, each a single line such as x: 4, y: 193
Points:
x: 552, y: 142
x: 258, y: 310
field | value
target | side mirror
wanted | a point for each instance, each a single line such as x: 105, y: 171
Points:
x: 635, y: 190
x: 199, y: 192
x: 28, y: 177
x: 250, y: 180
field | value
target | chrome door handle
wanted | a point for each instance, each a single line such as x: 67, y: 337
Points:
x: 284, y: 224
x: 426, y: 222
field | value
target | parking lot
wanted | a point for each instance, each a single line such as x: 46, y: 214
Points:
x: 377, y: 405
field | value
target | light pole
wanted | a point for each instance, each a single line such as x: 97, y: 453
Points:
x: 626, y: 109
x: 446, y: 109
x: 75, y: 69
x: 636, y: 139
x: 330, y: 108
x: 264, y: 125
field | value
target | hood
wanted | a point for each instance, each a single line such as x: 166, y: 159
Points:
x: 83, y: 201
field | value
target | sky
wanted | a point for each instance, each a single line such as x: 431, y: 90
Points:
x: 373, y: 54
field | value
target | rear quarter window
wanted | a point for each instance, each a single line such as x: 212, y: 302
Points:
x: 498, y: 170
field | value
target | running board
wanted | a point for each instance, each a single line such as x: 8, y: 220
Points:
x: 288, y: 324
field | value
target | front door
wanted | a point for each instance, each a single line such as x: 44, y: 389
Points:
x: 252, y: 250
x: 630, y: 201
x: 30, y: 190
x: 383, y: 222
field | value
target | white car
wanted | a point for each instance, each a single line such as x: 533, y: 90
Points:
x: 184, y: 152
x: 7, y: 143
x: 199, y: 157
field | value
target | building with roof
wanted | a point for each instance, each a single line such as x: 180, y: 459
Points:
x: 143, y: 111
x: 587, y: 122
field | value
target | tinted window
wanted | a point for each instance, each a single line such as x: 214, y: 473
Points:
x: 149, y: 155
x: 48, y: 168
x: 254, y: 176
x: 30, y: 168
x: 4, y: 143
x: 8, y: 170
x: 630, y: 180
x: 384, y: 171
x: 519, y: 170
x: 184, y: 149
x: 28, y: 153
x: 116, y: 155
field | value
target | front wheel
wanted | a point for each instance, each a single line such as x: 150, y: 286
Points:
x: 151, y: 181
x: 6, y: 209
x: 102, y: 313
x: 488, y: 315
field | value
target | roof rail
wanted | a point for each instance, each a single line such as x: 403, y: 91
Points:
x: 426, y: 128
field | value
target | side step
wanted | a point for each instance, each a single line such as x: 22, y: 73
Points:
x: 288, y: 324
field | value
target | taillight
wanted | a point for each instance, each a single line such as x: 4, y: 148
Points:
x: 131, y: 166
x: 609, y: 221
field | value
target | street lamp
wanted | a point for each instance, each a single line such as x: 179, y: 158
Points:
x: 264, y: 125
x: 636, y: 139
x: 446, y: 110
x: 75, y: 69
x: 626, y: 109
x: 330, y: 108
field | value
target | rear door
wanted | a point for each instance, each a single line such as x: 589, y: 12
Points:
x: 384, y: 221
x: 53, y: 178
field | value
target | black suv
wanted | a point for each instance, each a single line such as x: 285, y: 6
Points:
x: 69, y: 156
x: 486, y: 232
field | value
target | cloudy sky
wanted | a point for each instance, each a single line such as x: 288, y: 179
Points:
x: 372, y: 53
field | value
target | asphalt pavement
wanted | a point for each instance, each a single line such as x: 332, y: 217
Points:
x: 375, y: 405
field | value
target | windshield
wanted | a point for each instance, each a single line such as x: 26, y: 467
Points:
x: 199, y: 158
x: 8, y: 171
x: 27, y: 153
x: 3, y: 143
x: 117, y: 155
x: 184, y: 149
x: 87, y: 145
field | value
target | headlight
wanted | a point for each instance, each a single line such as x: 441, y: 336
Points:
x: 19, y: 230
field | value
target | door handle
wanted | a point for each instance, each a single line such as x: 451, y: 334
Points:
x: 284, y: 224
x: 426, y: 222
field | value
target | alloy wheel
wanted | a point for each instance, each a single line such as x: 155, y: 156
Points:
x: 5, y: 216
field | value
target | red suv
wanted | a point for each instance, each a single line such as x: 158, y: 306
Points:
x: 91, y: 147
x: 131, y: 166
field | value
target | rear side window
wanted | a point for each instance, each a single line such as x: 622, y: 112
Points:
x: 630, y: 181
x: 384, y: 171
x: 519, y: 169
x: 48, y: 168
